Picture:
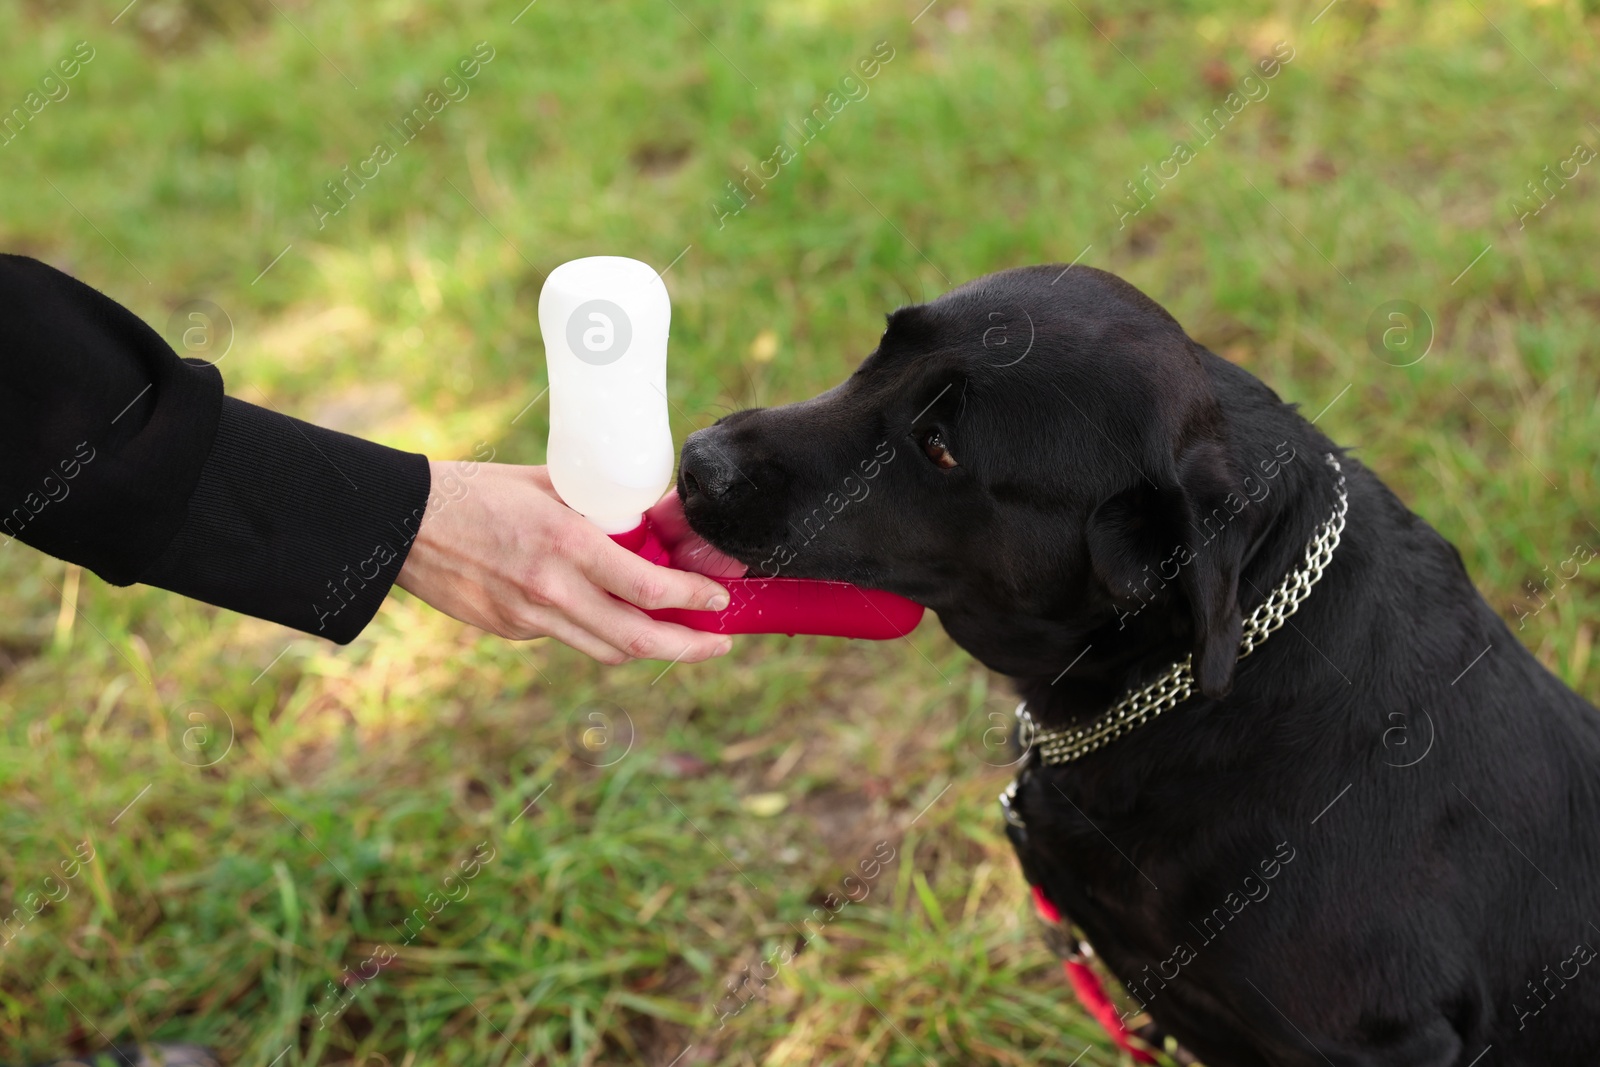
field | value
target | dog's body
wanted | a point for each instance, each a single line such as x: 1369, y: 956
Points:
x: 1376, y: 840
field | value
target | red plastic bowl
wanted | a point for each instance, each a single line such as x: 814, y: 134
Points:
x: 786, y: 605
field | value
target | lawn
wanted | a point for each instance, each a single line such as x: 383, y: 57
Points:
x: 434, y: 847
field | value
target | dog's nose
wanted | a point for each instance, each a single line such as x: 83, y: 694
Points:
x: 707, y: 469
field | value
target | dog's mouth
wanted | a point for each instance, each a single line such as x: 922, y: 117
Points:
x: 723, y: 536
x: 772, y: 557
x: 739, y: 515
x: 761, y: 531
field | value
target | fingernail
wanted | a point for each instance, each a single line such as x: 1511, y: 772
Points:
x: 718, y: 601
x: 723, y: 649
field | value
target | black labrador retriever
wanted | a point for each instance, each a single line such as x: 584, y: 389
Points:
x: 1374, y: 840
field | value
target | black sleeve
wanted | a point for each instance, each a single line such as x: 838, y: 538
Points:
x: 118, y: 455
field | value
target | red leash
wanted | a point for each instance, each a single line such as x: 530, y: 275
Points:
x: 1090, y: 990
x: 1064, y: 942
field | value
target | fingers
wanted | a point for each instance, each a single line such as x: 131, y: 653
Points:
x: 597, y: 566
x: 558, y: 626
x: 600, y: 626
x: 637, y: 635
x: 642, y: 583
x: 537, y: 613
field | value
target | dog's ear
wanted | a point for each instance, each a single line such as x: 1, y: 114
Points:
x: 1138, y: 538
x: 1209, y: 504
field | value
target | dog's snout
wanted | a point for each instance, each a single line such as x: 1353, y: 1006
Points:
x: 707, y: 470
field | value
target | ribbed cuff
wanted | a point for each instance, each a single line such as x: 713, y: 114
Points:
x: 296, y: 524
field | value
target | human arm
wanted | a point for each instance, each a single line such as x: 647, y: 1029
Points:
x: 122, y: 457
x: 126, y: 459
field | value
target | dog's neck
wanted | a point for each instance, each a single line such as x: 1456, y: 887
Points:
x: 1121, y: 655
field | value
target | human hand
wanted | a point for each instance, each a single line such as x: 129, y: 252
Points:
x: 509, y: 557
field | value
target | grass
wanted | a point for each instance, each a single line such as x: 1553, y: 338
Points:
x: 639, y: 840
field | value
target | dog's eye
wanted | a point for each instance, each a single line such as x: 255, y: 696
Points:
x: 934, y: 448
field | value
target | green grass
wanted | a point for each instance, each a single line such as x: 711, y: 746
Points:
x: 620, y: 903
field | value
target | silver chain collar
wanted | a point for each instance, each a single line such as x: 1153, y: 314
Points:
x: 1177, y: 684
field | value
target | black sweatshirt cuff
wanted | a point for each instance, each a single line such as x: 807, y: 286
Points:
x: 296, y: 524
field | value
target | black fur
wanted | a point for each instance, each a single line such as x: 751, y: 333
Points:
x: 1122, y: 497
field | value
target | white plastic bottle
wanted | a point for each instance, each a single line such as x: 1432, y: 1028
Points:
x: 605, y: 321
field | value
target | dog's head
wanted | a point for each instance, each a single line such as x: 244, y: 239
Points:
x: 1025, y: 455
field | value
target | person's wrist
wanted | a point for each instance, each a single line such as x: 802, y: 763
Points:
x: 420, y: 556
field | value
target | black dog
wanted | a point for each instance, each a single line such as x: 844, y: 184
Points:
x: 1375, y: 840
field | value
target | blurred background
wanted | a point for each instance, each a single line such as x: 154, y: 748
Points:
x: 432, y: 846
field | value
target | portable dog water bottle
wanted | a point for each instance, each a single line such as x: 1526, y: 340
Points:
x: 605, y: 321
